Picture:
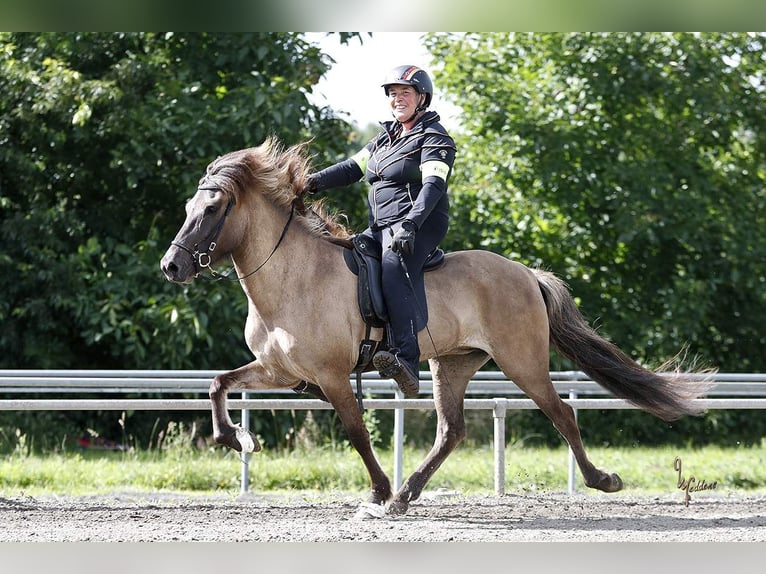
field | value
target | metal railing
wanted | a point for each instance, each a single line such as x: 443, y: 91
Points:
x: 488, y: 390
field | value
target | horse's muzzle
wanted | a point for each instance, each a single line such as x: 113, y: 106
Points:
x: 178, y: 266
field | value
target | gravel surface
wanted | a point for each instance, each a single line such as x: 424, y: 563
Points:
x: 334, y: 517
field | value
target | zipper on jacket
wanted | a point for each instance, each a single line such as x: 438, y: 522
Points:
x: 374, y: 205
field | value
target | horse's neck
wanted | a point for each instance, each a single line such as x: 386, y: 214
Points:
x: 276, y: 273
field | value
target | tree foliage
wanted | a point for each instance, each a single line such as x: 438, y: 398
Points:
x: 630, y: 164
x: 103, y: 137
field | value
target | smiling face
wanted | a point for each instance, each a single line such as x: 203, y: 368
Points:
x: 404, y: 101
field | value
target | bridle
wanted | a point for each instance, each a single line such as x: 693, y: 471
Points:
x: 202, y: 259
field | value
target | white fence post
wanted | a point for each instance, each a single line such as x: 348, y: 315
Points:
x: 398, y: 443
x: 498, y: 413
x: 245, y: 472
x: 571, y: 458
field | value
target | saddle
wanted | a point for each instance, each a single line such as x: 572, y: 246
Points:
x: 364, y: 261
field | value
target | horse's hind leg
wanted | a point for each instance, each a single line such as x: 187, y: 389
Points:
x: 562, y: 416
x: 540, y: 389
x: 451, y: 376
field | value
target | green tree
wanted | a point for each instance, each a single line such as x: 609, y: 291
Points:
x: 630, y: 164
x: 103, y: 138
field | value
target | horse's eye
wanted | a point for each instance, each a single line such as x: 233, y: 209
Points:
x: 211, y: 209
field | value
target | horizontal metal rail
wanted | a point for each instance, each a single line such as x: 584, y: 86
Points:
x: 178, y: 381
x: 316, y: 404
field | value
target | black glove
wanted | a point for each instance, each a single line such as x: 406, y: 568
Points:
x: 312, y: 184
x: 404, y: 239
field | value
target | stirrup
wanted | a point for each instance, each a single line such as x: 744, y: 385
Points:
x: 391, y: 367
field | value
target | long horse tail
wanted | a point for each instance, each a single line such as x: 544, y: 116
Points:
x: 668, y: 396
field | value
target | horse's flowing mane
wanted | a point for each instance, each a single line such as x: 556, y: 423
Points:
x: 280, y: 175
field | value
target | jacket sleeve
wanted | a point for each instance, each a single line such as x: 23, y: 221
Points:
x: 437, y: 158
x: 343, y: 173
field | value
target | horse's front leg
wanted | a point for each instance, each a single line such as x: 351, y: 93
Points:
x: 343, y: 401
x: 225, y: 432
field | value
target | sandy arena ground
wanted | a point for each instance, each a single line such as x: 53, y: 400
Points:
x: 437, y: 517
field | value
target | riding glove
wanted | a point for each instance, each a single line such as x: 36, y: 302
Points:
x: 312, y: 184
x: 404, y: 240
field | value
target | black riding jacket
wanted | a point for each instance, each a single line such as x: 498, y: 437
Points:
x: 408, y: 174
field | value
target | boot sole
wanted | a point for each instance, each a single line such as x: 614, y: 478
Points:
x: 389, y: 367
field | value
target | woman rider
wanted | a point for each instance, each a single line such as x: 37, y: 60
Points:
x: 407, y: 166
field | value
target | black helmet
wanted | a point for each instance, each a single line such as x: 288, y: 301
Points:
x: 411, y: 76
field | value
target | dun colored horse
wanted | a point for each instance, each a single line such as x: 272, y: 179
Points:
x: 303, y: 321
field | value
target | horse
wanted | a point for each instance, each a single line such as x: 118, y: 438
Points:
x: 304, y: 326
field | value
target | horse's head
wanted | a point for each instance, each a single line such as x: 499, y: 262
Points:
x: 242, y: 189
x: 211, y: 229
x: 195, y: 247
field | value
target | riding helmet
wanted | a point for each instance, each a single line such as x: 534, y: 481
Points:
x: 411, y: 76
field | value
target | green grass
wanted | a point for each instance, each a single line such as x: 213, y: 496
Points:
x: 467, y: 470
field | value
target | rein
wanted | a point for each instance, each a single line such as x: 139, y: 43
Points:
x: 202, y: 259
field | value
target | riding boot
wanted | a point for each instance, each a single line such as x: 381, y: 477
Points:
x: 398, y: 363
x: 393, y: 366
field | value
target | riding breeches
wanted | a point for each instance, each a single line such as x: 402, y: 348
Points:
x: 403, y: 284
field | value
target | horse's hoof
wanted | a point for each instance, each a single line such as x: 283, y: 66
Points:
x: 616, y: 483
x: 369, y: 510
x: 398, y: 507
x: 247, y: 441
x: 240, y: 440
x: 609, y: 483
